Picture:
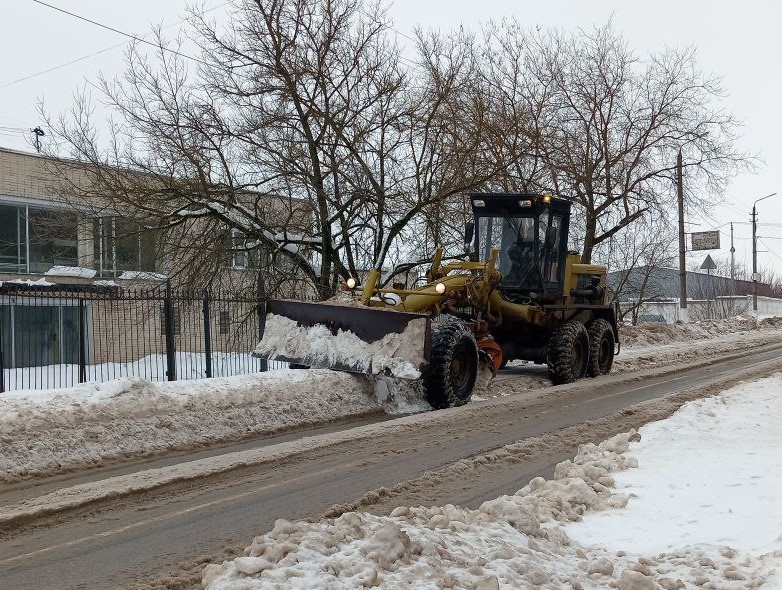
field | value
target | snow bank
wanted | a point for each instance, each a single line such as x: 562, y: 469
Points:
x: 316, y: 345
x: 43, y: 432
x: 549, y: 535
x: 646, y: 334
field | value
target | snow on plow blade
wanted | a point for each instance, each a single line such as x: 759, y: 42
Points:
x: 352, y: 338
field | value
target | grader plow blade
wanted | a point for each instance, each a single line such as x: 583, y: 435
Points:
x: 354, y: 337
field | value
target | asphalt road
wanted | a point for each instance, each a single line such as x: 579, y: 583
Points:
x: 165, y: 535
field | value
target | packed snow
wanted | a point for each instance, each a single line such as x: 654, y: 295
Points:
x: 654, y: 333
x: 690, y: 501
x: 318, y: 346
x: 44, y: 432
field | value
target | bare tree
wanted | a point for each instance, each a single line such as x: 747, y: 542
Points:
x: 641, y: 253
x: 608, y: 125
x: 303, y: 141
x: 300, y: 134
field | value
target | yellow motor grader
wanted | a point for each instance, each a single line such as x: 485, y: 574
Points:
x: 517, y: 294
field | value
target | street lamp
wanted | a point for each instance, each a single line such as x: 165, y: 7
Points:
x: 755, y: 255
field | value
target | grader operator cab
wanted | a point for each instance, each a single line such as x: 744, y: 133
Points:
x: 517, y: 294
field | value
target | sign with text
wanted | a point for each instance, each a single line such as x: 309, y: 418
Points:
x: 706, y: 240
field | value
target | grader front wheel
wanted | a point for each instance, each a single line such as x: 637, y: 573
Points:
x: 453, y: 366
x: 568, y: 352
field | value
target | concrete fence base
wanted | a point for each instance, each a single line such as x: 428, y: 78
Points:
x: 717, y: 308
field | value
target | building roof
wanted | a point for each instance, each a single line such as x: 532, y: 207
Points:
x: 646, y: 283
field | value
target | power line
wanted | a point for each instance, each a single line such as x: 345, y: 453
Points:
x: 770, y: 250
x: 119, y: 32
x: 52, y: 69
x: 83, y: 57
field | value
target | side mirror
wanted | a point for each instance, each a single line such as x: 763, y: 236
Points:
x: 469, y: 232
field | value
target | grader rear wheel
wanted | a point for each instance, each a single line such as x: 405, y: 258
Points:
x: 453, y: 366
x: 601, y: 347
x: 568, y: 352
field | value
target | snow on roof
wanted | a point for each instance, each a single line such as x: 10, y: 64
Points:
x: 71, y: 271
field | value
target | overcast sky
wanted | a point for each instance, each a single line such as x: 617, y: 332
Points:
x: 741, y: 43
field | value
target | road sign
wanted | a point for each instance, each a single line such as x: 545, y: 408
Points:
x: 706, y: 240
x: 709, y: 263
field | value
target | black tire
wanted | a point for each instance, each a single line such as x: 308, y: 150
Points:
x: 453, y: 366
x: 601, y: 348
x: 568, y: 352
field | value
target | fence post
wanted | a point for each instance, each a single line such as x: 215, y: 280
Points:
x: 168, y: 316
x: 2, y: 363
x: 207, y: 335
x: 264, y: 365
x: 82, y: 343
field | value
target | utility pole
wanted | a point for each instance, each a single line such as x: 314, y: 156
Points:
x: 755, y: 254
x: 732, y: 260
x: 682, y: 245
x: 754, y: 261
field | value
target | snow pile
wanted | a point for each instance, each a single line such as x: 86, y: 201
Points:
x: 646, y: 334
x: 513, y: 541
x: 44, y: 432
x: 539, y: 537
x: 317, y: 346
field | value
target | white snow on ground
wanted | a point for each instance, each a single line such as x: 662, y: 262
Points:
x: 729, y: 493
x: 44, y: 432
x: 650, y: 334
x: 190, y: 365
x: 687, y: 506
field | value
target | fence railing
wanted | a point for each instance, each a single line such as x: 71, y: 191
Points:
x: 57, y: 336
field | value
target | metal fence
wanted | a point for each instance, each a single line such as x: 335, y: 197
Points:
x: 56, y: 336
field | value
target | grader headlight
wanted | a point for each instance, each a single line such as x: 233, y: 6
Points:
x: 351, y: 283
x: 440, y: 288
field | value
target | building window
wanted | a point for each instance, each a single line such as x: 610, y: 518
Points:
x: 41, y: 334
x: 225, y: 322
x: 122, y: 244
x: 241, y: 256
x: 13, y: 239
x: 53, y: 239
x: 33, y: 239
